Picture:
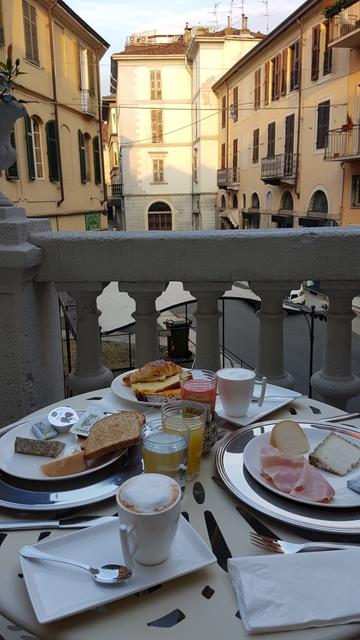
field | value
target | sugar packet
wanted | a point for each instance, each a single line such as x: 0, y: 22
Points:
x: 83, y: 427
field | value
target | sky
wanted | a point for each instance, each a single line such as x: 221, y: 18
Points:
x: 116, y: 19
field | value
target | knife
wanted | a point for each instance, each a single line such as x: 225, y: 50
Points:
x: 66, y: 523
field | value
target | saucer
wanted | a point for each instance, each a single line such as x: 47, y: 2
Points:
x: 57, y: 591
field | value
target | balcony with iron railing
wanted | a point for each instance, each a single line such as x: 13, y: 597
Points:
x: 35, y: 264
x: 222, y: 178
x: 116, y: 191
x: 345, y: 27
x: 279, y: 168
x: 88, y: 102
x: 228, y: 177
x: 343, y: 144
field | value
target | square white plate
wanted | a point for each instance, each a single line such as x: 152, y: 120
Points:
x: 275, y: 398
x: 57, y: 591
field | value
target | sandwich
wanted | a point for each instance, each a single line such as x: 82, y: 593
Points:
x: 155, y: 382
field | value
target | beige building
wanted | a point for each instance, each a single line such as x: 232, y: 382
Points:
x: 113, y: 177
x: 167, y: 125
x: 292, y: 88
x: 59, y: 171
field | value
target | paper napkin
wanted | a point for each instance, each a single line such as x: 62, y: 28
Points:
x: 283, y: 592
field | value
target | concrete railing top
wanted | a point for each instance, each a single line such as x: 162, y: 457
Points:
x: 292, y: 255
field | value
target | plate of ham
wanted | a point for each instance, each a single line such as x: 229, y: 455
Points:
x: 295, y: 477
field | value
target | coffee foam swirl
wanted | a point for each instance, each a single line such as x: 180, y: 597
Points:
x: 149, y: 493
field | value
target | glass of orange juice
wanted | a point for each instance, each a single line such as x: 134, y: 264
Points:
x: 187, y: 417
x: 165, y: 452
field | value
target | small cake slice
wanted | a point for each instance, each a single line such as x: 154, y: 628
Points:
x: 31, y: 447
x: 288, y: 437
x: 336, y: 455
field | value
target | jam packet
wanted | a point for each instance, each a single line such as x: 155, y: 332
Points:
x: 83, y: 427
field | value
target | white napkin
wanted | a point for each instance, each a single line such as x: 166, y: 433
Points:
x: 281, y: 592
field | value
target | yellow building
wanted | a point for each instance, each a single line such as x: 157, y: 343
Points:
x: 292, y: 88
x: 59, y: 171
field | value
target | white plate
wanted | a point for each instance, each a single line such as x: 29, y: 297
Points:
x: 58, y: 591
x: 275, y: 398
x: 29, y: 467
x: 344, y: 497
x: 124, y: 392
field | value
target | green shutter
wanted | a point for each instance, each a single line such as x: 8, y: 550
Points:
x: 82, y: 156
x: 12, y: 173
x: 91, y: 71
x: 97, y: 165
x: 30, y: 147
x: 2, y: 37
x: 52, y: 150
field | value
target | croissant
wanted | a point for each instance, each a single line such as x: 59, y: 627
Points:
x: 152, y: 371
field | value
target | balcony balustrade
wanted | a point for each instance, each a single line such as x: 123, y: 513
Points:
x: 35, y: 264
x: 280, y: 168
x: 222, y: 178
x: 88, y: 102
x: 228, y: 177
x: 116, y: 190
x: 343, y: 144
x: 345, y: 28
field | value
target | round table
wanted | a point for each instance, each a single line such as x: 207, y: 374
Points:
x: 201, y: 605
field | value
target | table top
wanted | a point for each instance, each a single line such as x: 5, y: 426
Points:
x: 201, y: 605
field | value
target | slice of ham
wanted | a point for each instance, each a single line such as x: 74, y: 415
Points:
x: 294, y: 475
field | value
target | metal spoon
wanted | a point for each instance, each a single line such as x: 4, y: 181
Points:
x: 108, y: 574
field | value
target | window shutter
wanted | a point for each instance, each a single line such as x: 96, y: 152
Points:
x: 53, y: 150
x: 315, y: 52
x: 257, y: 91
x: 96, y: 154
x: 271, y: 140
x: 223, y: 112
x: 223, y: 153
x: 236, y: 104
x: 2, y: 37
x: 91, y: 71
x: 267, y: 77
x: 283, y: 72
x: 30, y: 147
x: 30, y: 33
x: 82, y: 156
x: 323, y: 113
x: 12, y: 173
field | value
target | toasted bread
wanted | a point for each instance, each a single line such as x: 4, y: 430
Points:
x: 65, y: 466
x: 162, y: 396
x: 158, y: 370
x: 156, y: 387
x: 114, y: 433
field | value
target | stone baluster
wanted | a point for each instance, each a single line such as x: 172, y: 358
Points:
x: 335, y: 382
x: 207, y: 322
x: 90, y: 372
x: 270, y: 360
x: 145, y: 316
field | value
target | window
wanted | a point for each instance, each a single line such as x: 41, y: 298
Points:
x: 12, y: 173
x: 97, y: 161
x: 223, y: 156
x: 255, y: 202
x: 235, y: 203
x: 289, y: 166
x: 275, y: 77
x: 157, y: 125
x: 34, y: 148
x: 159, y: 217
x: 30, y: 33
x: 155, y: 84
x: 223, y: 112
x: 315, y: 52
x: 2, y: 36
x: 158, y: 170
x: 323, y: 118
x: 319, y: 203
x: 355, y: 191
x: 87, y: 139
x: 271, y: 140
x: 295, y: 65
x: 222, y: 203
x: 257, y: 90
x: 267, y: 82
x: 235, y: 160
x: 195, y: 165
x: 327, y: 51
x: 53, y: 150
x: 287, y: 202
x: 235, y: 105
x: 283, y: 79
x: 82, y: 156
x: 255, y: 154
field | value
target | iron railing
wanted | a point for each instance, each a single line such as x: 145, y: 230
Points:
x: 278, y: 167
x: 345, y: 22
x: 343, y: 143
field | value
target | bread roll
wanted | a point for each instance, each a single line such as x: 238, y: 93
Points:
x: 158, y: 370
x: 288, y: 437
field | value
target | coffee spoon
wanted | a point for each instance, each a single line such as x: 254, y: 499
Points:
x: 107, y: 574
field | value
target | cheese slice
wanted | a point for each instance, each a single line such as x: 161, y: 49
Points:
x: 154, y: 387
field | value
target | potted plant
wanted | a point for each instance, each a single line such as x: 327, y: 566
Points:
x: 10, y: 108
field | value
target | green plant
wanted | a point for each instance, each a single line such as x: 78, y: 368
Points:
x: 338, y: 6
x: 8, y: 74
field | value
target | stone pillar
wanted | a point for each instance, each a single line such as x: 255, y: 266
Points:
x: 145, y: 316
x: 207, y: 322
x: 31, y: 368
x: 90, y: 372
x: 335, y: 382
x: 270, y: 361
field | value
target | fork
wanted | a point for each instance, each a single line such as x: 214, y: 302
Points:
x: 282, y: 546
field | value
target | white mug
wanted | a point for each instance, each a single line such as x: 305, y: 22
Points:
x: 236, y: 388
x: 149, y: 511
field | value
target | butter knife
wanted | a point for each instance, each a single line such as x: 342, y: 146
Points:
x: 66, y: 523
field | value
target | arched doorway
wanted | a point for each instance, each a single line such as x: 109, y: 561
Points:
x: 317, y: 211
x: 319, y: 203
x: 284, y: 218
x: 252, y: 216
x: 223, y: 203
x: 235, y: 202
x: 159, y: 217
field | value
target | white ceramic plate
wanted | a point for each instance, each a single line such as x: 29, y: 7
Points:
x: 57, y: 591
x: 124, y: 392
x: 29, y: 467
x: 275, y: 398
x: 344, y: 497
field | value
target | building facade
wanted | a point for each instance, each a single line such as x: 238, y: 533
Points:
x: 58, y: 173
x: 167, y: 125
x: 113, y: 177
x: 292, y: 88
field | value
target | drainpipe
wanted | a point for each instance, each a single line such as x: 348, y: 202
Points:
x: 297, y: 193
x: 56, y: 111
x: 100, y: 129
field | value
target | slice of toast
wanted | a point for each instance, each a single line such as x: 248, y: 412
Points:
x: 336, y: 455
x: 67, y: 466
x: 114, y: 433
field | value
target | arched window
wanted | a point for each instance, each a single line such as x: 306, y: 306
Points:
x: 159, y: 217
x: 235, y: 202
x: 255, y: 202
x: 244, y: 201
x: 222, y: 203
x: 287, y: 202
x: 319, y: 203
x: 268, y: 201
x: 34, y: 148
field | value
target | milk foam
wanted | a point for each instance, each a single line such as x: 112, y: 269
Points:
x: 149, y: 493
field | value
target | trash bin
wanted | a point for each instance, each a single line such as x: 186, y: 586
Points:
x: 178, y: 338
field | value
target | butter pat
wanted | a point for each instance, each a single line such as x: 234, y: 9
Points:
x: 354, y: 484
x: 43, y: 430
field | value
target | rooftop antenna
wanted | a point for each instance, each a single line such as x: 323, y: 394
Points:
x: 215, y: 14
x: 266, y: 3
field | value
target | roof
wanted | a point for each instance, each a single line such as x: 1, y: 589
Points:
x: 82, y: 22
x: 164, y: 49
x: 235, y: 32
x: 283, y: 26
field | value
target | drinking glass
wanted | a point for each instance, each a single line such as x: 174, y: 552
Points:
x: 165, y: 452
x: 183, y: 417
x: 200, y: 385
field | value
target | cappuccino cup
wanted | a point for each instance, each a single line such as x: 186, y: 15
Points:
x: 236, y: 390
x: 149, y: 511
